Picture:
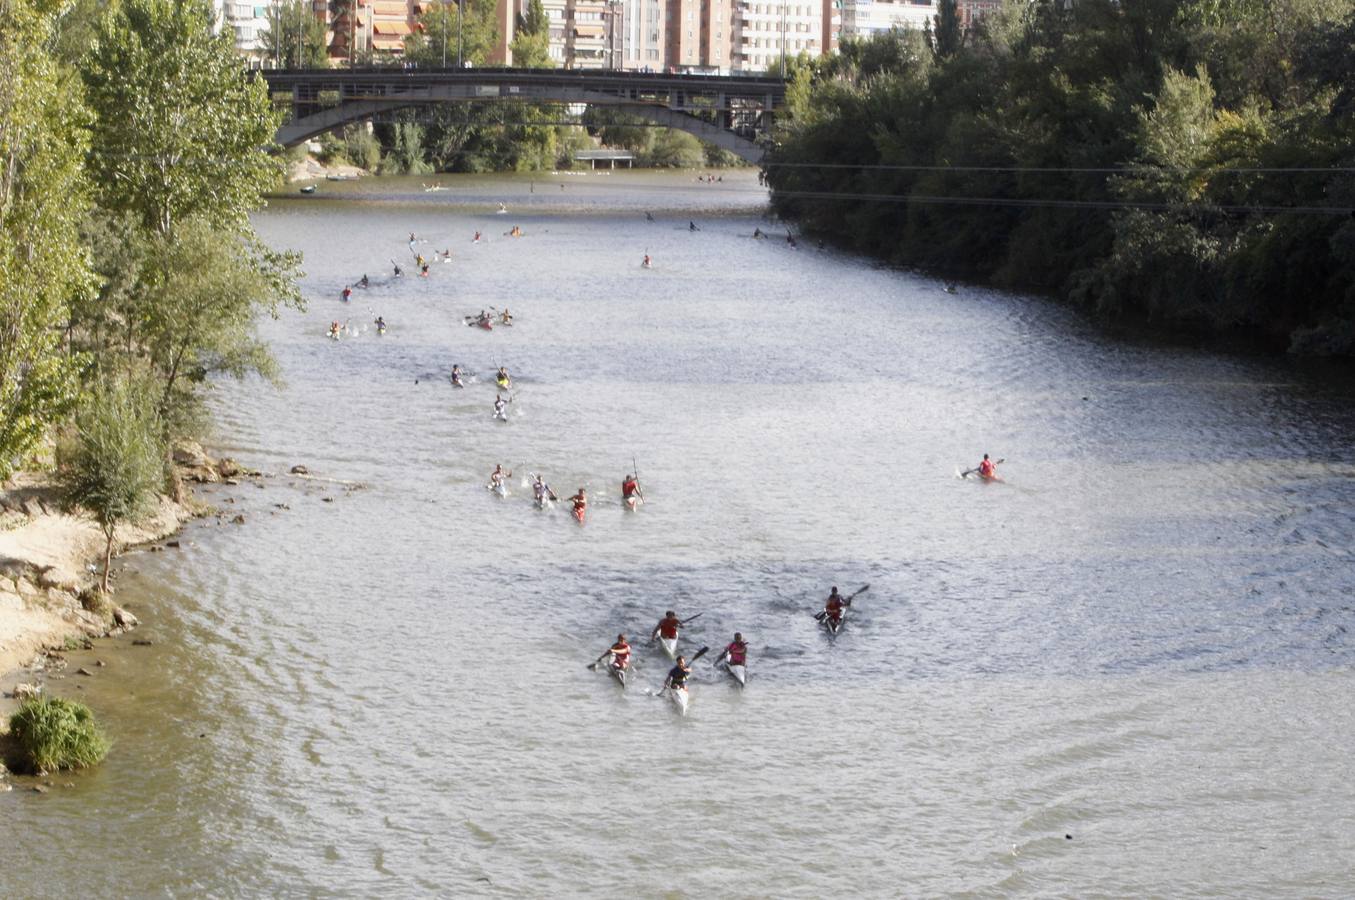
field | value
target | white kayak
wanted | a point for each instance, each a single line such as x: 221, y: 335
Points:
x: 669, y: 646
x: 835, y: 627
x: 618, y: 674
x: 633, y: 503
x: 501, y: 489
x: 738, y: 673
x: 680, y: 699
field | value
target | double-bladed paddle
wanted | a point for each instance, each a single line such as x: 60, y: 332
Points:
x: 967, y: 472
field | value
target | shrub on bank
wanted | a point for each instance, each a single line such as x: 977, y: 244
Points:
x: 54, y: 734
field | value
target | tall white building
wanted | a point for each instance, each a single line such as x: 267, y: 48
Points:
x: 863, y: 18
x: 247, y: 22
x: 764, y: 29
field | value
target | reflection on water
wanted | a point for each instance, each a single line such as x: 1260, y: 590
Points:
x: 1140, y: 639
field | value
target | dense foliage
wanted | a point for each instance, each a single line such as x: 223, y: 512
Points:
x: 55, y: 734
x: 134, y: 150
x: 1188, y: 163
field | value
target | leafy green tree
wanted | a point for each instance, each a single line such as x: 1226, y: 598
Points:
x: 43, y: 140
x: 180, y: 130
x: 295, y: 38
x: 467, y: 28
x: 948, y: 35
x: 531, y: 43
x: 114, y: 464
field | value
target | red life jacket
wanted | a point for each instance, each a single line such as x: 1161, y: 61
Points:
x: 669, y: 628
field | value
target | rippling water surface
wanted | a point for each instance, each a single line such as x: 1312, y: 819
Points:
x: 1125, y: 671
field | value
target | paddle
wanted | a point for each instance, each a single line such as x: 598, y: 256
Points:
x: 695, y: 656
x: 847, y: 601
x: 967, y: 472
x: 635, y: 469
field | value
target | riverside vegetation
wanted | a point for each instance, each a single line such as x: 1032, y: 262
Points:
x: 133, y: 148
x: 1189, y: 163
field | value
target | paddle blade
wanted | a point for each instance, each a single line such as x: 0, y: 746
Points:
x: 700, y: 653
x: 818, y: 616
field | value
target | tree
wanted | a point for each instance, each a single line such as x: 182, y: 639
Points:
x: 948, y: 36
x: 531, y: 43
x: 295, y: 38
x: 43, y: 140
x: 180, y: 130
x: 114, y: 464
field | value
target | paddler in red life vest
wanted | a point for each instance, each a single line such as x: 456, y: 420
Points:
x: 620, y: 652
x: 987, y: 468
x: 668, y: 626
x: 631, y: 494
x: 580, y: 501
x: 736, y: 654
x: 835, y: 605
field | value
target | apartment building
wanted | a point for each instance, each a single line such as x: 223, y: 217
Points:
x: 973, y: 10
x: 766, y: 29
x: 863, y: 18
x: 246, y: 22
x: 643, y: 25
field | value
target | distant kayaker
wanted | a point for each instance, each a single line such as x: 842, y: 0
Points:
x: 347, y: 293
x: 497, y: 477
x: 363, y: 282
x: 620, y: 653
x: 691, y: 226
x: 419, y: 261
x: 736, y: 654
x: 649, y: 217
x: 500, y: 407
x: 398, y: 273
x: 502, y: 378
x: 677, y: 676
x: 334, y: 330
x: 631, y: 494
x: 476, y: 239
x: 646, y: 264
x: 423, y: 270
x: 835, y: 605
x: 380, y: 325
x: 506, y: 317
x: 456, y: 376
x: 987, y: 468
x: 541, y: 490
x: 667, y: 628
x: 580, y: 501
x: 757, y: 234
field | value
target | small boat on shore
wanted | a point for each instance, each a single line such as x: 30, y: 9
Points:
x: 308, y: 189
x: 341, y: 178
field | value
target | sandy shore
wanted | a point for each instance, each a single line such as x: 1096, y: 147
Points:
x: 50, y: 559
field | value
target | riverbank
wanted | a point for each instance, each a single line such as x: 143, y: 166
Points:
x: 311, y: 169
x: 49, y: 565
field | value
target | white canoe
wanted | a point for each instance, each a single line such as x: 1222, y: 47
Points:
x: 669, y: 646
x: 680, y: 699
x: 738, y: 673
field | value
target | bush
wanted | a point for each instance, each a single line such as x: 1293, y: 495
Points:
x: 57, y: 734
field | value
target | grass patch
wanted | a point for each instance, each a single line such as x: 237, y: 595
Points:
x: 55, y: 734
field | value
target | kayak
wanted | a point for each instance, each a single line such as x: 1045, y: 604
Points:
x: 835, y: 627
x: 633, y: 502
x: 680, y: 699
x: 501, y: 414
x: 545, y: 503
x: 738, y: 673
x: 669, y: 646
x: 579, y: 513
x: 618, y: 673
x: 501, y: 489
x: 503, y: 383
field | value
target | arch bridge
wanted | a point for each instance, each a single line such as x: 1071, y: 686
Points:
x: 730, y: 111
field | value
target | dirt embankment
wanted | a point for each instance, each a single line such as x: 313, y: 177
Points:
x: 50, y: 557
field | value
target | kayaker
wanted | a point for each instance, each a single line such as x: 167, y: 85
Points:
x: 363, y: 282
x: 646, y: 264
x: 380, y: 325
x: 736, y: 654
x: 987, y: 468
x: 677, y: 676
x: 423, y: 270
x: 506, y: 317
x: 580, y: 501
x: 347, y: 293
x: 835, y: 605
x: 541, y: 490
x: 334, y: 329
x: 456, y: 376
x: 398, y: 273
x: 691, y: 226
x: 476, y: 239
x: 620, y: 652
x: 496, y: 478
x: 631, y: 494
x: 502, y: 378
x: 500, y: 407
x: 418, y: 260
x: 667, y: 628
x: 757, y: 234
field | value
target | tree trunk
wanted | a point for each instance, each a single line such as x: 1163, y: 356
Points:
x: 108, y: 557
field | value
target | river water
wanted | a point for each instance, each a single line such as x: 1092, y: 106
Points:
x: 1125, y: 671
